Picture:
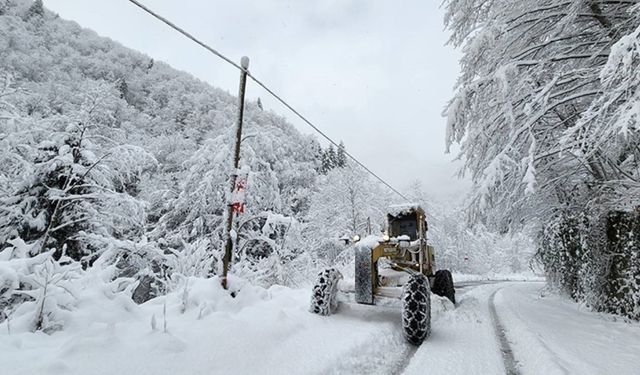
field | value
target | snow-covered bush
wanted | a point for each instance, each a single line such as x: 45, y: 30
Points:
x: 562, y: 250
x: 272, y: 252
x: 613, y: 258
x: 48, y: 293
x: 36, y: 292
x: 594, y: 258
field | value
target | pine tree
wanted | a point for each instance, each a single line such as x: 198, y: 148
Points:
x: 150, y: 65
x: 329, y: 159
x: 35, y: 10
x: 123, y: 88
x: 341, y: 157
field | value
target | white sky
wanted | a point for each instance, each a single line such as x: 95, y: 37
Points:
x: 373, y: 73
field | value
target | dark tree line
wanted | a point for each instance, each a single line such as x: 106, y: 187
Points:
x: 332, y: 158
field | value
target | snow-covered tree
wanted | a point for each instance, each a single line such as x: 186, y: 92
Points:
x: 347, y: 202
x: 281, y: 170
x: 69, y: 177
x: 546, y: 115
x: 341, y: 157
x: 72, y: 192
x: 608, y: 133
x: 473, y: 249
x: 329, y: 159
x: 35, y: 10
x: 530, y: 70
x: 4, y: 6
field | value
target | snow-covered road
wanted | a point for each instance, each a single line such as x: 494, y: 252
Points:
x: 462, y: 341
x: 546, y: 334
x: 271, y: 332
x: 550, y: 335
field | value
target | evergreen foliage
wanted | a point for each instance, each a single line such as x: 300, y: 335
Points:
x: 333, y: 158
x: 329, y: 159
x: 35, y: 10
x: 341, y: 157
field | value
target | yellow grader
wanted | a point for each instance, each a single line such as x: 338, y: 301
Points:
x: 396, y: 269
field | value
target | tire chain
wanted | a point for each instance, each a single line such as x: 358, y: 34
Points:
x: 416, y: 311
x: 323, y: 296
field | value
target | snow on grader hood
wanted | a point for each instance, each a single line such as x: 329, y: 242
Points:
x: 396, y: 269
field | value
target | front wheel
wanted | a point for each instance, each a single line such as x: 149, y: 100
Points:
x: 324, y: 297
x: 416, y: 309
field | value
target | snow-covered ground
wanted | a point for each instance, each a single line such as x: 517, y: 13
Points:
x: 462, y: 277
x: 547, y: 334
x: 462, y: 341
x: 258, y: 332
x: 551, y: 335
x: 271, y: 332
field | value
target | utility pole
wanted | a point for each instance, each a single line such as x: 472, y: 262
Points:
x: 228, y: 250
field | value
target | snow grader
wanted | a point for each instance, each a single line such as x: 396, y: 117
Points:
x: 395, y: 269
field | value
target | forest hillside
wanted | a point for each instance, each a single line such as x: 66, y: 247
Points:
x: 113, y: 162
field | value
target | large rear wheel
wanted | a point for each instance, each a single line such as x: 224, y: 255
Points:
x: 416, y: 309
x: 443, y: 285
x: 324, y: 299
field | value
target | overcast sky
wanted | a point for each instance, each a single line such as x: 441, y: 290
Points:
x: 373, y: 73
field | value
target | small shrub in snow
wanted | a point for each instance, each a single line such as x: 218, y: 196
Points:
x: 39, y: 291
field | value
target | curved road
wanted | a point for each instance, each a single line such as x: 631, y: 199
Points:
x: 519, y: 328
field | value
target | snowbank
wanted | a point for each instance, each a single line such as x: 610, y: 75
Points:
x: 201, y: 329
x: 461, y: 277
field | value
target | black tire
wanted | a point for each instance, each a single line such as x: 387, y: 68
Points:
x: 443, y: 285
x: 416, y: 309
x: 325, y: 291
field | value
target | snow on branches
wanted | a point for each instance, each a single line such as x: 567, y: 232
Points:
x: 547, y: 111
x: 544, y: 87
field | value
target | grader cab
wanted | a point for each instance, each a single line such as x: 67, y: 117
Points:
x: 395, y: 269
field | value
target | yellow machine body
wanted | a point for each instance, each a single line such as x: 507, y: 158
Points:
x: 405, y: 249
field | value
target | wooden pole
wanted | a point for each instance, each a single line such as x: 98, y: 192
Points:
x: 228, y: 250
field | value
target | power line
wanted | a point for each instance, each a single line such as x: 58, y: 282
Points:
x: 324, y: 135
x: 183, y: 32
x: 267, y: 89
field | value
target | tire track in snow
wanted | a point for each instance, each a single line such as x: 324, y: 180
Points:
x: 383, y: 351
x: 382, y: 354
x: 510, y: 363
x: 407, y: 359
x: 547, y: 352
x: 463, y: 339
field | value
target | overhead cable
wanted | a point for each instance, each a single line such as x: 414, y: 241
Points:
x: 266, y: 88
